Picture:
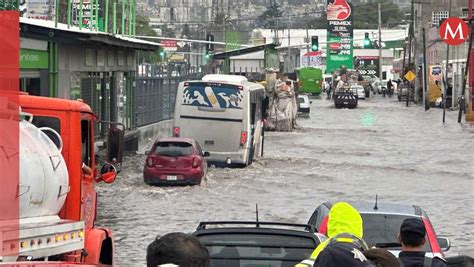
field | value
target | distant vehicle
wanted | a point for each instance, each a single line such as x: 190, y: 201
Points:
x: 360, y: 91
x: 173, y: 161
x: 258, y: 243
x: 345, y: 97
x: 310, y: 80
x: 382, y: 225
x: 402, y: 91
x: 378, y: 87
x: 223, y: 113
x: 303, y: 104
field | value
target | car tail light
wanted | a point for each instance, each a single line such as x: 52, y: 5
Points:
x: 432, y: 240
x: 176, y: 131
x: 150, y: 162
x: 195, y: 162
x: 324, y: 225
x: 243, y: 138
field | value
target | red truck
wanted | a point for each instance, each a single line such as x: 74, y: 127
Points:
x: 56, y: 191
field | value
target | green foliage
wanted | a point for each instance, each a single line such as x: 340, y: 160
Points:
x: 143, y: 28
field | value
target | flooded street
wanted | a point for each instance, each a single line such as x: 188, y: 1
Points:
x: 403, y: 155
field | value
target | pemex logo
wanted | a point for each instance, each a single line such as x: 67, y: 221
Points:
x: 338, y: 10
x: 454, y: 31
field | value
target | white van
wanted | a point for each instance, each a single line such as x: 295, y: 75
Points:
x: 223, y: 113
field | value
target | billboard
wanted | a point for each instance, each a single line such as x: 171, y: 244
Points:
x: 39, y: 9
x: 367, y: 65
x: 436, y: 72
x: 339, y: 48
x: 311, y: 59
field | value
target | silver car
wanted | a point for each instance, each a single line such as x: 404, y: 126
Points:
x: 359, y: 90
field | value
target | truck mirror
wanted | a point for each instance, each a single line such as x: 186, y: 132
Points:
x: 108, y: 173
x: 115, y: 145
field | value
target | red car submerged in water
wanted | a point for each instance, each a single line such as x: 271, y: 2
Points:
x: 175, y: 161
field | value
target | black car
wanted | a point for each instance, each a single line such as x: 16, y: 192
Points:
x: 243, y: 243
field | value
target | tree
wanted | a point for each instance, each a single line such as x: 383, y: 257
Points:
x: 269, y: 18
x: 143, y: 28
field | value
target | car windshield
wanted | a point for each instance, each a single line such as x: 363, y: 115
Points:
x: 300, y: 100
x: 257, y: 249
x: 173, y: 149
x: 382, y: 229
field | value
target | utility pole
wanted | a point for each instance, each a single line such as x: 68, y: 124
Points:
x: 446, y: 73
x: 380, y: 42
x: 289, y: 48
x: 410, y: 33
x: 466, y: 69
x: 307, y: 32
x: 425, y: 80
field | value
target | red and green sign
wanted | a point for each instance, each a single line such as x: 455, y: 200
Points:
x: 339, y: 48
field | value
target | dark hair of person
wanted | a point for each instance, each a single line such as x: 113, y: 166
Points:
x: 411, y: 239
x: 179, y: 249
x: 381, y: 258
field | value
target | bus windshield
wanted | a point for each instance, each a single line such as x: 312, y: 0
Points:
x: 213, y: 96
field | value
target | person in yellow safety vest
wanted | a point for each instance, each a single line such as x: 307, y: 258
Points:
x: 345, y: 245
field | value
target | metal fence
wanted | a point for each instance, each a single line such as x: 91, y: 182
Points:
x: 156, y: 91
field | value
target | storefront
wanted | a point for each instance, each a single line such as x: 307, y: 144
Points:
x: 34, y: 64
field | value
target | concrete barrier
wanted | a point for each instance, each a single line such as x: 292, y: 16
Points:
x: 148, y: 134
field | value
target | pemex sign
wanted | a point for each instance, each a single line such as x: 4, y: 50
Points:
x: 454, y: 31
x: 339, y: 48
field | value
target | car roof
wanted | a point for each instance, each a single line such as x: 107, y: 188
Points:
x: 252, y: 228
x: 365, y: 207
x: 175, y: 139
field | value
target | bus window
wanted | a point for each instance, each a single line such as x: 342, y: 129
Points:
x: 213, y: 97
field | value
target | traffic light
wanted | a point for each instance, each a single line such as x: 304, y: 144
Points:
x: 209, y: 46
x: 314, y: 43
x: 366, y: 40
x: 162, y: 54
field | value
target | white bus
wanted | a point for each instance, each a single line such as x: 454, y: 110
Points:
x: 223, y: 113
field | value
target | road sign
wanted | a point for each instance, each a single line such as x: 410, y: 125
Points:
x: 454, y: 31
x: 410, y: 76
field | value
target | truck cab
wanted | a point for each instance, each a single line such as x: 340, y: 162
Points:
x: 72, y: 236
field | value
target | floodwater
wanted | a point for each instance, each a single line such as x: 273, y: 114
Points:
x: 404, y: 155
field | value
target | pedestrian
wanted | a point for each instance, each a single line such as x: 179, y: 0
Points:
x: 178, y: 249
x: 382, y: 258
x: 345, y: 245
x: 389, y: 87
x: 412, y: 238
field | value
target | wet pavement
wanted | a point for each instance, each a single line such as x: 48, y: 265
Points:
x: 404, y: 155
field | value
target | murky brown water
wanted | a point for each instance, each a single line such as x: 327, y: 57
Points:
x: 403, y: 155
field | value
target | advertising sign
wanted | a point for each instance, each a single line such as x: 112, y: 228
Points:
x: 367, y: 65
x: 311, y: 59
x: 436, y: 72
x: 38, y: 9
x: 169, y: 45
x: 340, y: 35
x: 33, y: 59
x: 87, y: 16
